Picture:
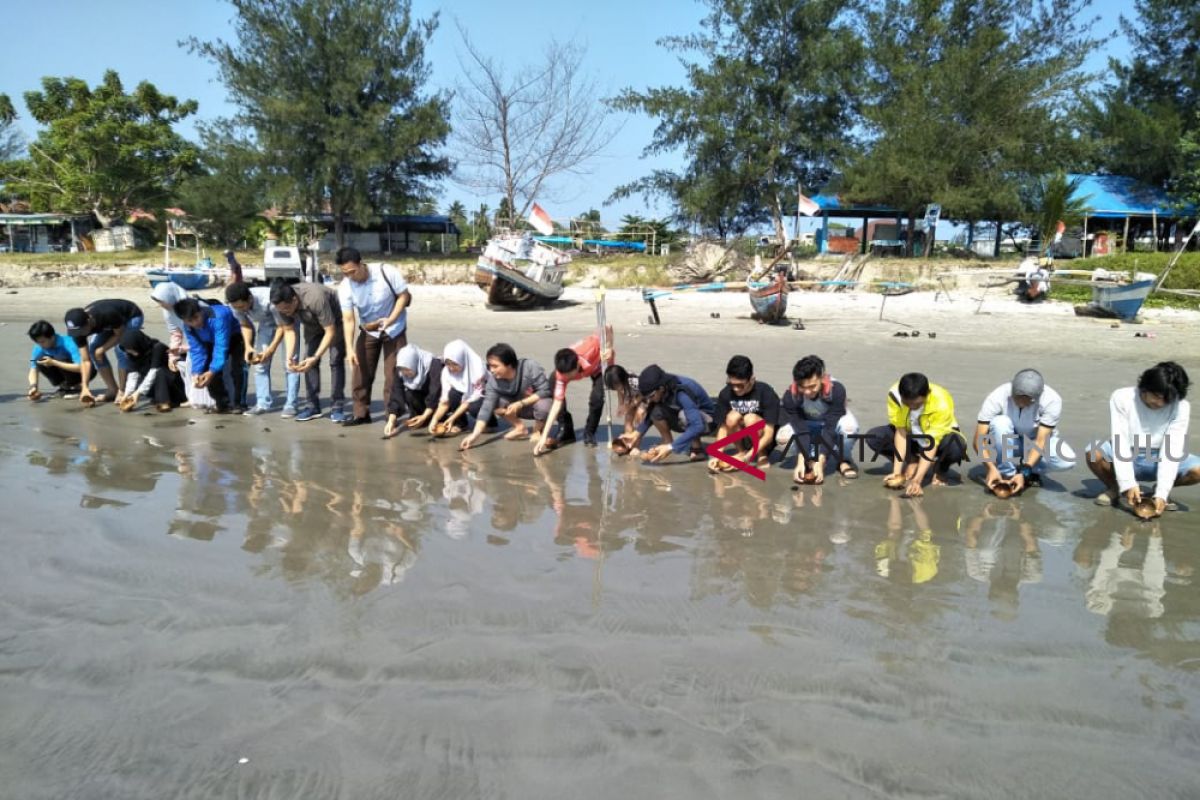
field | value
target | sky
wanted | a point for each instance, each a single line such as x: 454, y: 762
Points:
x: 139, y: 39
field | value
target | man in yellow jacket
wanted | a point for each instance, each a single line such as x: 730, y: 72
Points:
x: 921, y: 433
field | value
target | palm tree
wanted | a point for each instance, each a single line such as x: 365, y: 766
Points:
x: 457, y: 212
x: 1053, y: 201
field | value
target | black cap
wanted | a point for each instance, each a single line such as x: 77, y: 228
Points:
x: 652, y: 378
x: 76, y: 319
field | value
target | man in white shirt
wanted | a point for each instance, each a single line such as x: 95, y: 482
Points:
x: 1034, y: 283
x: 1025, y: 408
x: 378, y: 295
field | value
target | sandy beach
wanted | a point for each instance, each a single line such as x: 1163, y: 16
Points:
x: 206, y: 606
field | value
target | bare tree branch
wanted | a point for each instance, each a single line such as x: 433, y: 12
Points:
x: 514, y: 133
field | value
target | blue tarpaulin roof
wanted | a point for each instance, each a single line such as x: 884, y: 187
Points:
x: 1116, y: 196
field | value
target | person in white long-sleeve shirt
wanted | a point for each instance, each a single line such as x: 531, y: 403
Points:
x: 1148, y: 439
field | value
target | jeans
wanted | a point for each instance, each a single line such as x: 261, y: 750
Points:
x: 847, y: 426
x: 262, y: 370
x: 337, y: 369
x: 1008, y: 449
x: 98, y: 338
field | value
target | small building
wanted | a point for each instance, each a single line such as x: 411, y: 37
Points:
x: 43, y: 233
x: 1122, y: 211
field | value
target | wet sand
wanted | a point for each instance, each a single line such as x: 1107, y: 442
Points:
x: 362, y: 619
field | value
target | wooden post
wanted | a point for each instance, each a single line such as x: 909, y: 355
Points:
x: 996, y: 249
x: 1125, y: 238
x: 1086, y: 253
x: 863, y: 246
x: 1154, y: 225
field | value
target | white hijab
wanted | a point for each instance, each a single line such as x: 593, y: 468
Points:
x: 416, y: 359
x: 170, y: 293
x: 470, y: 377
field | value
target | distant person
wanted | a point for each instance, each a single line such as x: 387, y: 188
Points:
x: 215, y: 352
x: 1034, y: 283
x: 56, y: 358
x: 1023, y: 409
x: 922, y: 434
x: 98, y: 328
x: 745, y: 401
x: 314, y: 308
x: 378, y: 296
x: 1148, y: 437
x: 235, y: 269
x: 814, y: 413
x: 260, y: 339
x: 464, y: 374
x: 417, y: 391
x: 583, y: 359
x: 150, y: 374
x: 674, y: 405
x: 516, y: 389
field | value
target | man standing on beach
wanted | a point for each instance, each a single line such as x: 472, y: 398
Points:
x: 922, y: 432
x: 98, y: 328
x: 316, y: 308
x: 379, y: 296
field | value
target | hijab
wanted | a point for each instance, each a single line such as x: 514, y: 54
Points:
x: 134, y: 341
x: 170, y: 293
x: 418, y: 360
x: 473, y: 369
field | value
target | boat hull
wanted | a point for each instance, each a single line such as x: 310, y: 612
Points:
x: 1123, y: 302
x: 519, y: 272
x: 191, y: 280
x: 770, y: 303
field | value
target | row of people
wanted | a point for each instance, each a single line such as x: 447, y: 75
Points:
x: 1016, y: 429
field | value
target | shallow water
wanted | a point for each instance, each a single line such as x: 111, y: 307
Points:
x: 359, y: 619
x: 186, y: 596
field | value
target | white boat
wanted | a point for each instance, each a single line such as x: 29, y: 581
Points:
x: 518, y: 271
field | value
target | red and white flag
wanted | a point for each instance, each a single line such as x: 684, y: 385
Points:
x: 540, y: 220
x: 807, y: 206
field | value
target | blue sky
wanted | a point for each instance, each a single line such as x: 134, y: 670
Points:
x: 139, y: 39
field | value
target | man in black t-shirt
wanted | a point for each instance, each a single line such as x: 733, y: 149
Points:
x: 743, y: 402
x: 98, y: 328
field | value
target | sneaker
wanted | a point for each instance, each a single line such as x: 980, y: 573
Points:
x: 566, y: 435
x: 353, y: 421
x: 288, y: 412
x: 256, y: 411
x: 67, y: 392
x: 338, y: 417
x: 589, y: 439
x: 218, y: 410
x: 307, y: 414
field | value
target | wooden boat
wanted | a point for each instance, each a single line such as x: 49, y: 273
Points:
x: 770, y: 300
x: 518, y: 271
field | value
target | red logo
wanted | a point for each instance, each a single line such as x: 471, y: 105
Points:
x: 715, y: 449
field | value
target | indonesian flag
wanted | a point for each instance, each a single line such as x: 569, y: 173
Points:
x: 807, y: 206
x: 540, y: 220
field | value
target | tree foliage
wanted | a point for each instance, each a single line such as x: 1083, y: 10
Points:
x: 334, y: 92
x: 767, y: 109
x: 11, y: 142
x: 1144, y: 117
x: 101, y: 149
x: 229, y: 190
x: 1052, y: 199
x: 967, y: 102
x: 515, y: 133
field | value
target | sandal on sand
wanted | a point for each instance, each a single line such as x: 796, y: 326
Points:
x: 848, y: 471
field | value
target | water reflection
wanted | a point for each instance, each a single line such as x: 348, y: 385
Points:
x: 1001, y: 550
x: 909, y: 552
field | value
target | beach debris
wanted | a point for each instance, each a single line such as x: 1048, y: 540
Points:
x: 798, y: 326
x: 915, y: 333
x: 900, y: 335
x: 550, y: 327
x: 1145, y: 335
x: 1115, y: 325
x: 931, y: 335
x: 243, y: 760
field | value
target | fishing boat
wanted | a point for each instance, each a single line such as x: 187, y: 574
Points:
x: 516, y: 270
x: 190, y: 278
x: 769, y: 300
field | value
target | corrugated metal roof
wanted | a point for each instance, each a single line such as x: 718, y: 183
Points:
x: 39, y: 219
x: 1117, y: 196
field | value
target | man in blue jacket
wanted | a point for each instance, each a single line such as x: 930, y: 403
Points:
x: 674, y: 405
x: 214, y: 350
